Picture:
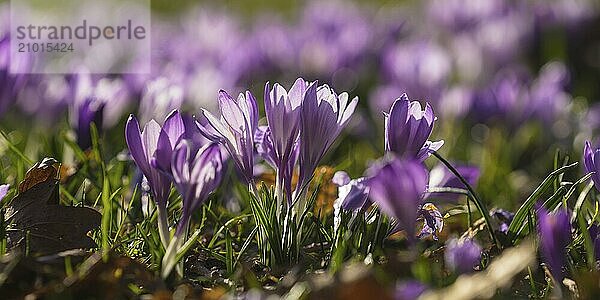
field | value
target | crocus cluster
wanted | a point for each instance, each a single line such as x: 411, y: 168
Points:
x: 514, y: 96
x: 172, y: 154
x: 398, y: 183
x: 302, y: 124
x: 472, y: 41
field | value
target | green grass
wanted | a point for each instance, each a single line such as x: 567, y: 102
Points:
x: 242, y: 242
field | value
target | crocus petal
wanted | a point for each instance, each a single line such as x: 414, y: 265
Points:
x: 250, y: 109
x: 588, y: 155
x: 214, y: 123
x: 433, y: 221
x: 174, y: 127
x: 133, y: 137
x: 264, y: 145
x: 162, y: 156
x: 150, y: 136
x: 409, y: 290
x: 397, y: 186
x: 296, y: 93
x: 180, y: 163
x: 231, y: 112
x: 207, y: 172
x: 555, y: 235
x: 462, y: 255
x: 348, y: 110
x: 323, y: 116
x: 353, y: 196
x: 340, y: 178
x: 3, y: 191
x: 196, y: 175
x: 591, y: 162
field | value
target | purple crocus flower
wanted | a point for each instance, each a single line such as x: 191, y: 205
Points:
x: 236, y: 129
x: 159, y: 97
x: 11, y: 83
x: 283, y: 116
x: 409, y: 290
x: 264, y: 145
x: 3, y: 191
x: 554, y: 230
x: 90, y: 111
x: 152, y: 150
x: 382, y: 97
x: 433, y: 221
x: 353, y: 196
x: 440, y: 176
x: 462, y: 255
x: 420, y: 67
x: 102, y: 90
x: 323, y: 116
x: 459, y: 15
x: 327, y: 41
x: 407, y: 129
x: 352, y: 193
x: 505, y: 98
x: 397, y: 186
x: 196, y: 176
x: 591, y: 163
x: 46, y: 97
x: 548, y: 97
x: 504, y: 218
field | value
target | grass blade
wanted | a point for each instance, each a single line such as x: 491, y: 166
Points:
x: 521, y: 215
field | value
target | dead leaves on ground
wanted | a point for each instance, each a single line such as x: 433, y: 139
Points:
x: 39, y: 224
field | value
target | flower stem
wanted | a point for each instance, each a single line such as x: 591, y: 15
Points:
x: 169, y: 260
x: 163, y: 224
x: 279, y: 192
x: 480, y: 205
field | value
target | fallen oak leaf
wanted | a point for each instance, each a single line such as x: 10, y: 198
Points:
x: 37, y: 221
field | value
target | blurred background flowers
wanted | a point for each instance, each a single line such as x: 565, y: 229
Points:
x: 518, y: 73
